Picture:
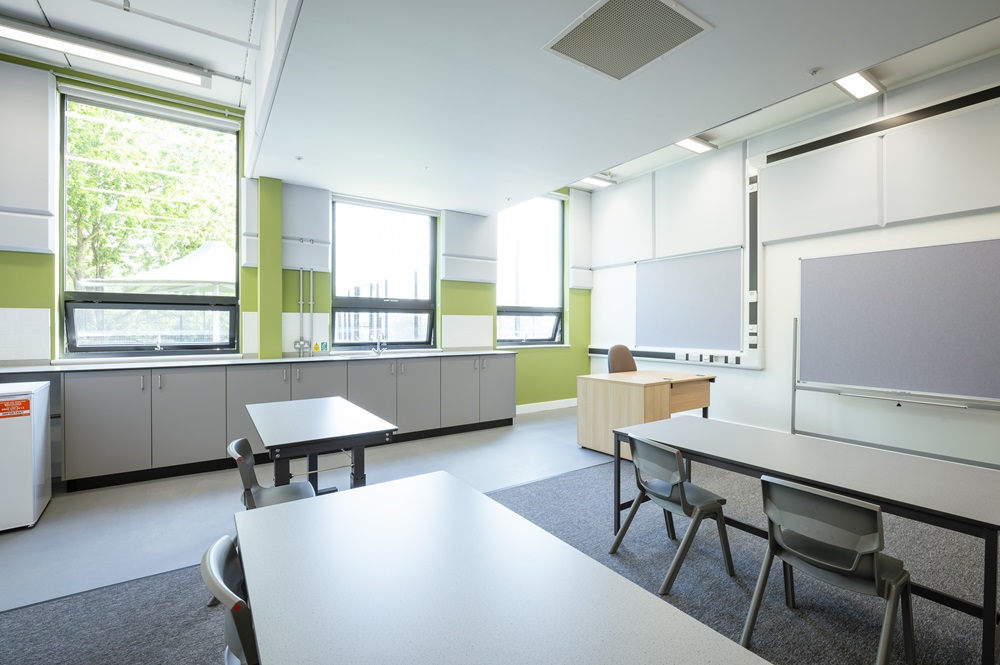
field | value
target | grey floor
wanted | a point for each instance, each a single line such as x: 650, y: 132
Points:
x: 93, y: 538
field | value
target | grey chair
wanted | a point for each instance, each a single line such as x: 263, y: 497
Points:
x: 660, y: 476
x: 620, y: 359
x: 222, y: 573
x: 254, y: 494
x: 835, y: 539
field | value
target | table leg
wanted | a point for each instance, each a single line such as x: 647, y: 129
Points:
x: 990, y: 599
x: 313, y: 461
x: 618, y: 484
x: 282, y: 476
x: 358, y: 466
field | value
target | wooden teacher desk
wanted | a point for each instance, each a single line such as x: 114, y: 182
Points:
x: 428, y: 570
x: 608, y: 401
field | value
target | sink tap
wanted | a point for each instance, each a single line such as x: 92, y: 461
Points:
x: 380, y: 343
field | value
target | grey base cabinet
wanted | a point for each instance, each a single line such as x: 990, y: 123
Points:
x: 418, y: 394
x: 253, y: 384
x: 107, y: 418
x: 189, y: 415
x: 371, y: 384
x: 459, y: 390
x: 496, y: 388
x: 476, y: 389
x: 321, y: 379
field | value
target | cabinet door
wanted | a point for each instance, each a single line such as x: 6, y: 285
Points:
x: 459, y: 390
x: 326, y: 379
x: 371, y: 384
x: 496, y: 387
x: 418, y: 394
x: 106, y: 423
x: 253, y: 385
x: 189, y: 415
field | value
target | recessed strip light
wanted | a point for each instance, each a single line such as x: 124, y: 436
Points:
x: 858, y: 85
x: 597, y: 181
x: 695, y: 144
x: 72, y: 45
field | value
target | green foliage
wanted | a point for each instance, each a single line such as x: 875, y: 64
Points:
x: 142, y: 192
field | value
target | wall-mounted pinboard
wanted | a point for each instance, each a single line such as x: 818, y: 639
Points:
x: 923, y: 320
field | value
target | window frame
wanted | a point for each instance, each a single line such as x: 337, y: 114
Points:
x: 558, y: 328
x: 73, y: 300
x: 368, y: 305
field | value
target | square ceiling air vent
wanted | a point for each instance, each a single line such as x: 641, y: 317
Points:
x: 617, y: 38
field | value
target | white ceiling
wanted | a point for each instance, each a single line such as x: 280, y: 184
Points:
x: 454, y: 104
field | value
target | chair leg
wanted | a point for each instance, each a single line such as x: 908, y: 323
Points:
x: 758, y: 597
x: 788, y: 573
x: 668, y: 518
x: 682, y: 550
x: 720, y: 522
x: 888, y: 625
x: 628, y: 521
x: 908, y: 644
x: 213, y: 602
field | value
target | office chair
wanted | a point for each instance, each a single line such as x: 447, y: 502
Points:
x: 222, y: 573
x: 660, y: 475
x: 835, y: 539
x: 254, y: 494
x: 620, y: 359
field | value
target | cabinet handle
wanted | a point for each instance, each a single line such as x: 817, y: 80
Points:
x: 475, y: 364
x: 159, y: 382
x: 482, y: 363
x: 402, y: 368
x: 392, y: 368
x: 298, y: 373
x: 284, y: 375
x: 142, y: 382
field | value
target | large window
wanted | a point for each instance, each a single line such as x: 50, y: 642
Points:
x: 150, y: 232
x: 383, y: 276
x: 530, y: 272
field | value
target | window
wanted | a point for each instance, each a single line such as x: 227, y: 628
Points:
x: 529, y: 272
x: 383, y: 276
x: 150, y: 233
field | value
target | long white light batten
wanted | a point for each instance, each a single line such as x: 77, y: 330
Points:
x: 597, y: 181
x: 72, y: 45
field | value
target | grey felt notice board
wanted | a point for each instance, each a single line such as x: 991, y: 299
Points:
x: 923, y: 320
x: 690, y: 302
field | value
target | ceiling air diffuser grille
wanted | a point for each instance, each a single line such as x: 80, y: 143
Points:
x: 619, y: 37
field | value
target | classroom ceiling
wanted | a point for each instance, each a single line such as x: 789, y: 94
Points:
x: 456, y: 104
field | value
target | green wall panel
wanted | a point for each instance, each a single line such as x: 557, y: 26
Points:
x: 269, y: 273
x: 29, y: 280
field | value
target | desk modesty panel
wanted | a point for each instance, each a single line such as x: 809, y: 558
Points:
x: 437, y: 572
x: 607, y: 401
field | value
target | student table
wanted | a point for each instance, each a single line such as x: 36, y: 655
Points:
x: 428, y: 570
x: 311, y: 427
x: 948, y: 494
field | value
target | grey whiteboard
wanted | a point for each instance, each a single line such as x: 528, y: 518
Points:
x: 690, y: 302
x: 919, y: 320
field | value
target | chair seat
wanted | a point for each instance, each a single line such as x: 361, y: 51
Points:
x: 696, y: 496
x: 269, y: 496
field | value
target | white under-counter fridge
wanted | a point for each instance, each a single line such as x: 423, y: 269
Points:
x: 25, y: 451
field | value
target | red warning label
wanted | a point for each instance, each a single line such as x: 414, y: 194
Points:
x: 14, y: 408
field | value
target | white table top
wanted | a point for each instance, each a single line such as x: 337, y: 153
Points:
x: 309, y: 420
x: 428, y: 570
x: 951, y: 488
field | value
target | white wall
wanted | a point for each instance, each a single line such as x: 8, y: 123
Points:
x: 845, y: 214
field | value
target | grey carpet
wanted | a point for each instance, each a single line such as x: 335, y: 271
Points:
x: 159, y: 619
x: 164, y: 618
x: 829, y: 626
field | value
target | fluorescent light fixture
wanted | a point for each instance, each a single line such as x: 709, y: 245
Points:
x: 695, y: 144
x: 106, y: 53
x: 859, y: 85
x: 597, y: 181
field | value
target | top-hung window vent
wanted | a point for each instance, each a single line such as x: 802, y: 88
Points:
x: 617, y: 38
